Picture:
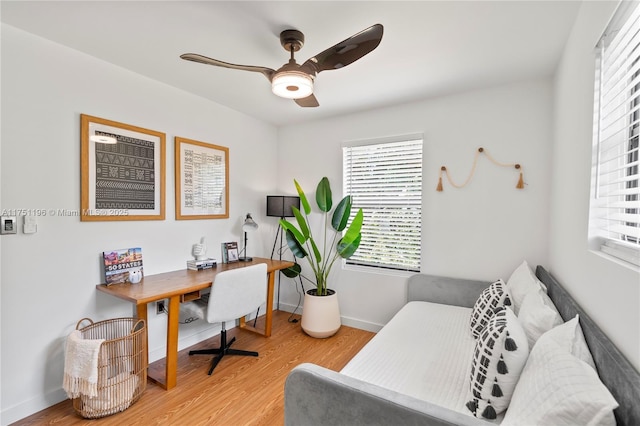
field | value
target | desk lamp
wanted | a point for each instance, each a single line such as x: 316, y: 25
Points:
x: 248, y: 226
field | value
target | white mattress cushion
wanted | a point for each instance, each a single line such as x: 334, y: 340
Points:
x: 425, y: 352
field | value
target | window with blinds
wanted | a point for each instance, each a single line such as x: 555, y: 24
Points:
x: 615, y: 208
x: 385, y: 180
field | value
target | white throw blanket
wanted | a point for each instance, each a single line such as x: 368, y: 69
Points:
x: 81, y: 365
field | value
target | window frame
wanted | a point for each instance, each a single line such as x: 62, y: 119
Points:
x: 617, y: 110
x: 394, y: 265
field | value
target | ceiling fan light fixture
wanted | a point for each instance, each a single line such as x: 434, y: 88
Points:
x: 292, y: 84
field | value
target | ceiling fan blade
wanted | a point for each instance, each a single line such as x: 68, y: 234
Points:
x: 194, y: 57
x: 309, y: 101
x: 347, y: 51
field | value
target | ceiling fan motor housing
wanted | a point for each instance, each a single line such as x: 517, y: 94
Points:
x: 291, y: 40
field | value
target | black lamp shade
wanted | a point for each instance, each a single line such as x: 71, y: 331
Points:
x: 280, y: 205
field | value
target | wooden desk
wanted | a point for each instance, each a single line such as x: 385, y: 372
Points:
x: 174, y: 286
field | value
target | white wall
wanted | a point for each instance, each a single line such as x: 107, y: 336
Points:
x: 607, y: 290
x: 483, y: 231
x: 49, y: 278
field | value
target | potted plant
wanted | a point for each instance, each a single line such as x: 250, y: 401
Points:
x: 320, y: 312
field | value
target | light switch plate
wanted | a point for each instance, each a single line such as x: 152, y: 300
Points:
x: 8, y: 225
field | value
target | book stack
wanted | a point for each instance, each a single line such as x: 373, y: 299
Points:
x: 199, y: 265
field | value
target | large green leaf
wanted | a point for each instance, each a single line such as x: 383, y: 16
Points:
x: 301, y: 222
x: 341, y: 214
x: 354, y: 229
x: 292, y: 271
x: 316, y: 252
x: 289, y: 227
x: 323, y: 195
x: 296, y: 248
x: 303, y: 198
x: 346, y: 250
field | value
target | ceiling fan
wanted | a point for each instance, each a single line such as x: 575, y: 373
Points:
x: 295, y: 81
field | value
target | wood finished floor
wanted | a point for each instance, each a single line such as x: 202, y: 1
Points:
x: 241, y: 391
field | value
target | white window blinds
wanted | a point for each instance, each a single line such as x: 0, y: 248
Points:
x: 615, y: 213
x: 385, y: 180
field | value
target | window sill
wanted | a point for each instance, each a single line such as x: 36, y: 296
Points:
x: 613, y: 255
x: 378, y: 271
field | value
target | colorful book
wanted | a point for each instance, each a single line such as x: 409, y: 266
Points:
x: 230, y: 252
x: 124, y: 265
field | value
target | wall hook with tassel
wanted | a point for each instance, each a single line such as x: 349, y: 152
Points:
x: 443, y: 170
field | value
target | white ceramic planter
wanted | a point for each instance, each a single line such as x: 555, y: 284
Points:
x: 320, y: 315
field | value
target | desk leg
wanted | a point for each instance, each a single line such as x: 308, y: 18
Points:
x: 141, y: 313
x: 172, y: 342
x: 268, y: 318
x: 269, y: 315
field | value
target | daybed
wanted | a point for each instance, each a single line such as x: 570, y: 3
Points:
x: 400, y: 379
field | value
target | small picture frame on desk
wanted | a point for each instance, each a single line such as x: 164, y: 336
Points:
x: 230, y: 252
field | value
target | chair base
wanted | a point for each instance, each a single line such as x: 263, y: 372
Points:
x: 224, y: 349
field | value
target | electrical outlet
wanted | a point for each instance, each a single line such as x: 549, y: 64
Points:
x: 160, y: 307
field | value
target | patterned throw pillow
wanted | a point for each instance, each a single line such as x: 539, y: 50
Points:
x: 498, y: 359
x: 495, y: 296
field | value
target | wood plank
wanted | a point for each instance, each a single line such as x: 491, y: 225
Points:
x: 241, y: 391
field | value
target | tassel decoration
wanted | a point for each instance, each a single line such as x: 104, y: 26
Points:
x: 520, y: 184
x: 472, y: 406
x: 502, y: 366
x: 489, y: 413
x: 510, y: 344
x: 439, y: 188
x: 507, y: 301
x: 496, y: 391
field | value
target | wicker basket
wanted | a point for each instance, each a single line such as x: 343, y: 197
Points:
x: 122, y: 366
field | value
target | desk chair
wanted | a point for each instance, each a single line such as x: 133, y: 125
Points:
x: 234, y: 294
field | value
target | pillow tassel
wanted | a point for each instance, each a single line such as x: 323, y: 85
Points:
x: 507, y: 301
x: 510, y: 344
x: 502, y: 366
x: 439, y: 187
x: 489, y: 413
x: 496, y: 391
x: 472, y: 406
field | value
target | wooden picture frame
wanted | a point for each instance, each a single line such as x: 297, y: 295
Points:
x: 202, y: 180
x: 123, y: 180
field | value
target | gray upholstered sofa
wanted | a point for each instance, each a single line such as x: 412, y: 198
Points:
x: 317, y: 396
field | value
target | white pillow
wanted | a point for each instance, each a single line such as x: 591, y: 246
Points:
x: 521, y: 282
x: 538, y: 315
x: 492, y: 297
x: 570, y: 337
x: 498, y: 359
x: 556, y: 388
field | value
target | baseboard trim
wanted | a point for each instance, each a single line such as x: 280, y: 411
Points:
x: 348, y: 321
x: 32, y: 406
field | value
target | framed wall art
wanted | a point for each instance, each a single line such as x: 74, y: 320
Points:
x: 202, y: 180
x: 122, y: 171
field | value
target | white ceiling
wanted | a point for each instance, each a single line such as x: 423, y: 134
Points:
x: 429, y: 48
